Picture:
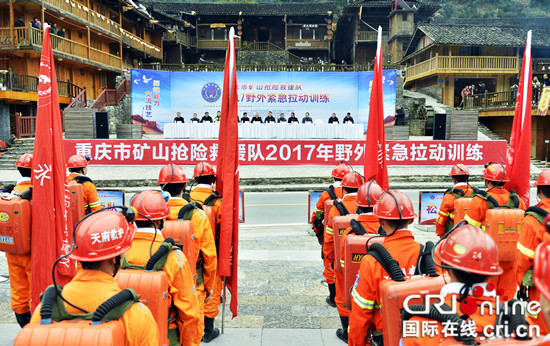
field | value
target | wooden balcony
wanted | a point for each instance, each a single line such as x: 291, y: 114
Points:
x: 370, y: 36
x: 216, y: 44
x: 307, y: 44
x: 180, y: 38
x: 31, y: 38
x: 137, y: 43
x: 463, y: 64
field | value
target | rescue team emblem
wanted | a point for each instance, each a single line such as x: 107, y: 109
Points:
x: 357, y: 257
x: 4, y: 217
x: 211, y: 92
x: 6, y: 240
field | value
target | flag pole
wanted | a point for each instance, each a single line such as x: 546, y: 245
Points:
x: 223, y: 306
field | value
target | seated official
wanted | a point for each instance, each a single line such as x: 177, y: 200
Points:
x: 195, y: 119
x: 179, y: 118
x: 307, y: 119
x: 257, y: 119
x: 207, y: 118
x: 245, y: 118
x: 333, y: 119
x: 348, y: 119
x: 218, y: 117
x: 293, y: 118
x: 270, y: 118
x: 281, y: 118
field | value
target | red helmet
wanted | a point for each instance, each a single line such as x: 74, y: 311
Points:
x: 541, y: 268
x: 202, y: 169
x: 152, y: 204
x: 544, y: 178
x: 24, y: 161
x: 340, y: 170
x: 394, y: 205
x: 77, y: 161
x: 459, y: 169
x: 369, y: 193
x: 470, y: 249
x: 171, y: 173
x: 495, y: 171
x: 352, y: 180
x: 101, y: 236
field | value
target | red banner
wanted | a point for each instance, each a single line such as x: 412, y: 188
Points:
x: 134, y: 152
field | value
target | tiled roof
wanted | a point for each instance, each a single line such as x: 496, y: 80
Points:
x: 304, y: 8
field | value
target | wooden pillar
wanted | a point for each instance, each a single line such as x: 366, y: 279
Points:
x: 11, y: 24
x: 120, y: 43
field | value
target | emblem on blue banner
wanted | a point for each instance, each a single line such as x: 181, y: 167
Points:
x: 211, y: 92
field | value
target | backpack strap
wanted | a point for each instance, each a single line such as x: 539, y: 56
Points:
x: 425, y: 264
x: 458, y: 193
x: 341, y: 208
x: 513, y: 200
x: 537, y: 212
x: 186, y: 196
x: 159, y: 264
x: 331, y: 193
x: 210, y: 200
x: 357, y: 228
x: 491, y: 201
x: 390, y: 265
x: 81, y: 179
x: 186, y: 212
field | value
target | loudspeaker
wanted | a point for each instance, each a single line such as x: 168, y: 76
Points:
x: 102, y: 125
x: 440, y: 124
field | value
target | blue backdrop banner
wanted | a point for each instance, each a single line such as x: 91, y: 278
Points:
x: 157, y: 96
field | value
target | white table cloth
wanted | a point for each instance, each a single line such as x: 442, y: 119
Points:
x: 267, y: 131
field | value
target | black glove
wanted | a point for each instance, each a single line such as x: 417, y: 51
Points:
x: 27, y: 194
x: 8, y: 188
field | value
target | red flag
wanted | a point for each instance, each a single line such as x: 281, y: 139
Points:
x: 518, y: 163
x: 51, y: 234
x: 375, y: 149
x: 227, y: 181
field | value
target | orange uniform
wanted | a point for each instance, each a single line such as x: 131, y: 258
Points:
x: 366, y: 295
x: 19, y: 267
x: 180, y: 279
x: 199, y: 194
x: 446, y: 209
x: 370, y: 223
x: 328, y: 246
x: 90, y: 288
x: 206, y: 254
x: 438, y: 336
x: 476, y: 217
x: 91, y: 201
x: 532, y: 233
x: 320, y: 206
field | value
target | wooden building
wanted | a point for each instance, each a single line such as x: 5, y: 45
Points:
x: 357, y: 25
x: 444, y: 56
x: 101, y: 39
x: 287, y: 32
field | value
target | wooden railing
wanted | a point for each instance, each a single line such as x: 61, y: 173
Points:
x: 138, y: 43
x: 370, y: 36
x: 307, y: 44
x: 24, y: 126
x: 267, y: 47
x: 216, y: 44
x: 111, y: 97
x: 464, y: 63
x: 25, y: 83
x: 247, y: 67
x: 497, y: 99
x: 180, y: 37
x: 80, y: 100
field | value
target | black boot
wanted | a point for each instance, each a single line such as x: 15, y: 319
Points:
x: 23, y: 319
x: 342, y: 333
x: 210, y: 333
x: 330, y: 298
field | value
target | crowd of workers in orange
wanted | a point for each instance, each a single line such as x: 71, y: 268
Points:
x: 147, y: 272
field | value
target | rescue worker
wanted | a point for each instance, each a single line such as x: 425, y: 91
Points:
x: 532, y: 232
x: 368, y: 194
x: 95, y: 283
x: 542, y: 282
x: 446, y: 217
x: 395, y: 212
x: 153, y: 210
x: 344, y: 206
x: 470, y: 257
x: 205, y: 176
x: 19, y: 266
x: 173, y: 180
x: 333, y: 192
x: 78, y: 168
x: 496, y: 197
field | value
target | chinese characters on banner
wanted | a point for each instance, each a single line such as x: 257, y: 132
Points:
x: 284, y: 153
x: 279, y: 93
x: 152, y: 98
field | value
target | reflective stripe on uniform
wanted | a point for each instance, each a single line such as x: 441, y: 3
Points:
x: 179, y: 258
x: 94, y: 204
x: 362, y: 302
x: 443, y: 214
x: 472, y: 221
x: 452, y: 216
x: 342, y: 263
x: 526, y: 251
x: 318, y: 210
x: 329, y: 230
